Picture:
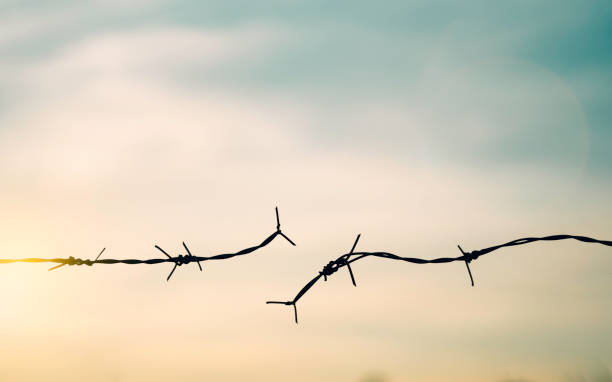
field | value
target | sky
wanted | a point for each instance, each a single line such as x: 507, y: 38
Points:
x: 419, y: 124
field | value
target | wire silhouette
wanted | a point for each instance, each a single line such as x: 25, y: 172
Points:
x: 177, y: 260
x: 345, y: 261
x: 329, y: 269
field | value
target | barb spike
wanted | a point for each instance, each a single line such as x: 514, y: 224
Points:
x: 355, y: 244
x: 99, y: 254
x: 55, y: 267
x: 351, y: 273
x: 277, y: 219
x: 348, y: 265
x: 164, y: 252
x: 285, y: 236
x: 172, y: 271
x: 190, y: 255
x: 467, y: 260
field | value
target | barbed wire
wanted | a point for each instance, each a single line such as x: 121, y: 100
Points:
x: 345, y: 261
x: 177, y: 260
x: 329, y: 269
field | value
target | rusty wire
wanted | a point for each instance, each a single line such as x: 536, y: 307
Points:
x: 345, y: 261
x: 177, y: 260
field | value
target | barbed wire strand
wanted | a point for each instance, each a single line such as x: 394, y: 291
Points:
x: 345, y: 261
x: 177, y: 260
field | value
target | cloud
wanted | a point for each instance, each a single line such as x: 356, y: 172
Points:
x: 102, y: 103
x: 149, y: 53
x: 421, y: 98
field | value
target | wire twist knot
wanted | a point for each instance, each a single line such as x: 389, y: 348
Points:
x: 329, y: 269
x: 469, y: 256
x: 78, y: 261
x: 180, y: 259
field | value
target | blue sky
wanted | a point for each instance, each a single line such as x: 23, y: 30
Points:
x: 333, y: 55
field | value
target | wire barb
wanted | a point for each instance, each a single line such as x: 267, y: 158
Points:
x: 189, y: 253
x: 348, y: 264
x: 99, y: 254
x: 286, y: 303
x: 180, y: 259
x: 71, y: 261
x: 467, y: 258
x: 278, y: 230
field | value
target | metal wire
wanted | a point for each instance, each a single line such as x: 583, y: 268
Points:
x: 329, y: 269
x: 467, y: 257
x: 178, y: 260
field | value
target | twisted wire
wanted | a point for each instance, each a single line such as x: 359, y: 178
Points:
x: 329, y: 269
x: 346, y: 259
x: 177, y: 260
